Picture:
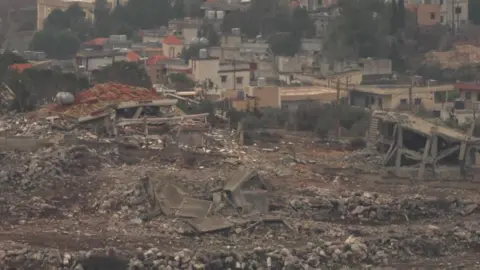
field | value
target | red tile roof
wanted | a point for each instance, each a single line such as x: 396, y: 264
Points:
x: 153, y: 60
x: 96, y: 42
x: 468, y: 86
x: 133, y: 57
x: 21, y: 67
x: 172, y: 40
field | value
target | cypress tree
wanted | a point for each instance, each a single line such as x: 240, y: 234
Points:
x: 394, y: 18
x: 401, y: 13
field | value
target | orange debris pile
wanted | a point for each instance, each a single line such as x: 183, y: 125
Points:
x: 97, y: 98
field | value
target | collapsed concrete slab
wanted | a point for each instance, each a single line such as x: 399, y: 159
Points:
x: 23, y: 143
x: 211, y: 224
x: 194, y: 208
x: 414, y: 147
x: 247, y: 191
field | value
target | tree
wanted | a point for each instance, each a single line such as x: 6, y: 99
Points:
x: 360, y: 30
x: 401, y: 14
x: 73, y: 19
x: 232, y: 20
x: 58, y: 45
x: 22, y: 87
x: 192, y: 51
x: 78, y: 22
x: 125, y: 73
x: 284, y: 44
x: 57, y: 20
x: 180, y: 81
x: 394, y: 18
x: 102, y: 23
x: 208, y: 31
x: 263, y: 17
x: 6, y: 60
x: 302, y: 23
x: 179, y: 9
x: 147, y: 14
x: 474, y: 11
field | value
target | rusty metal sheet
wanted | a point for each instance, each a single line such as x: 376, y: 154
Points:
x: 194, y: 208
x: 211, y: 224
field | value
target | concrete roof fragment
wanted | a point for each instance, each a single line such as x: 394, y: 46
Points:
x: 422, y: 126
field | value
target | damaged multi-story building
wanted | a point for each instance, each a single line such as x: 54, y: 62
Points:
x: 414, y: 147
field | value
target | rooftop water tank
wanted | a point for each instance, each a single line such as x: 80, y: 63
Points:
x: 64, y: 98
x: 203, y: 41
x: 202, y: 53
x: 211, y: 14
x: 261, y: 82
x: 220, y: 14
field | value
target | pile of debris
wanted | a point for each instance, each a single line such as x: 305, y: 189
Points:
x: 246, y: 194
x: 99, y: 96
x: 373, y: 208
x: 347, y: 253
x: 52, y: 176
x: 455, y: 58
x: 115, y: 109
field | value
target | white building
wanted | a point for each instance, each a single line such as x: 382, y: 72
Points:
x: 223, y: 75
x: 89, y: 61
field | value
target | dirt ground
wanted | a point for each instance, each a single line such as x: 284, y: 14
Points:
x: 80, y: 199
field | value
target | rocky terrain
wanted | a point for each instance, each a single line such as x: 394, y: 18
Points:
x: 78, y: 203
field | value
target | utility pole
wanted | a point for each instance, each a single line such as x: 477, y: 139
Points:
x: 453, y: 17
x: 234, y: 75
x: 410, y: 96
x: 338, y: 109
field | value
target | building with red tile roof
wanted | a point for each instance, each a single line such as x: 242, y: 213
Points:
x: 172, y: 40
x: 21, y: 67
x: 133, y: 57
x: 96, y: 42
x: 153, y: 60
x: 172, y: 46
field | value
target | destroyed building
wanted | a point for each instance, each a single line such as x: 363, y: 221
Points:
x: 414, y: 147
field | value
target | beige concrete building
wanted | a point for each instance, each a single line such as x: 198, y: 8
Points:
x: 394, y: 97
x: 223, y: 75
x: 428, y: 14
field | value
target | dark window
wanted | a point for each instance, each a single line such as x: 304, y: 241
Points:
x: 239, y: 80
x: 403, y: 101
x: 432, y: 15
x: 418, y: 101
x: 380, y: 103
x: 458, y: 10
x: 478, y: 97
x: 441, y: 19
x: 468, y: 95
x: 440, y: 96
x: 223, y: 78
x: 441, y: 2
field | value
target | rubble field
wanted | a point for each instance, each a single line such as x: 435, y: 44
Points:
x: 87, y: 202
